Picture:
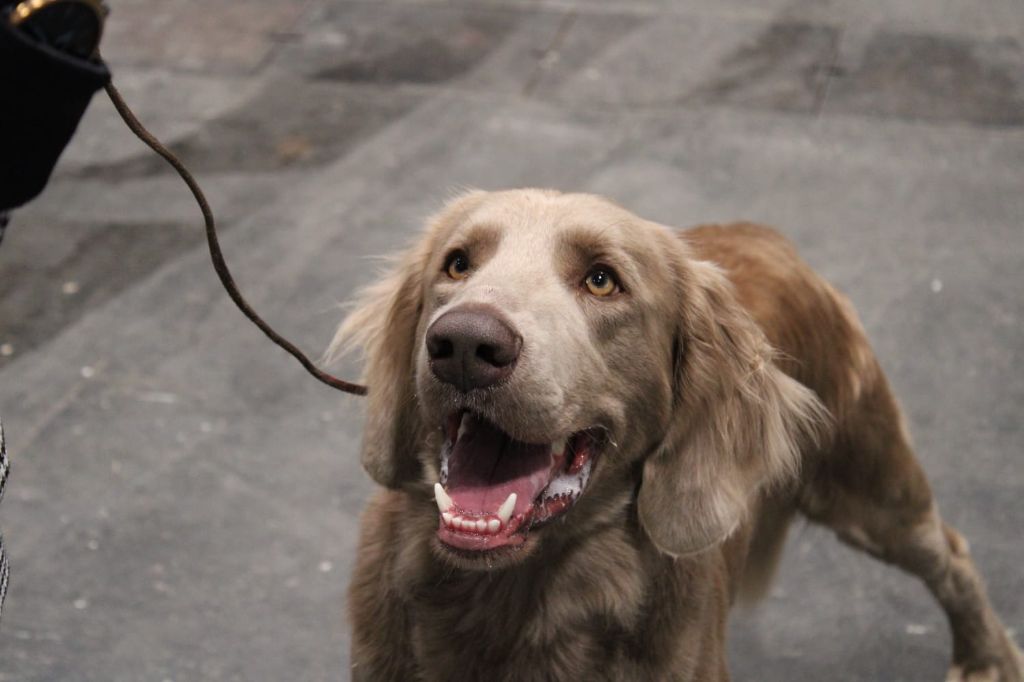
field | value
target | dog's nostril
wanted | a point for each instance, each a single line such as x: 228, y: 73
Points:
x: 498, y: 355
x: 440, y: 348
x: 489, y: 355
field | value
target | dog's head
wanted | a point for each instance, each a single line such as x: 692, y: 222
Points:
x: 545, y: 360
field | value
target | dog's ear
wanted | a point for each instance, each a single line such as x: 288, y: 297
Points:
x: 385, y: 324
x: 738, y: 421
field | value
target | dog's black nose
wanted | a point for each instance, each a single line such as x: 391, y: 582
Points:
x: 471, y: 346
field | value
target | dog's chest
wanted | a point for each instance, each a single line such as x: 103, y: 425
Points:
x: 488, y: 629
x: 552, y: 622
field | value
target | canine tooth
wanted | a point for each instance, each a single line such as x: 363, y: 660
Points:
x: 444, y: 503
x: 481, y: 526
x: 447, y: 516
x: 493, y: 525
x: 558, y: 447
x: 462, y: 427
x: 505, y: 512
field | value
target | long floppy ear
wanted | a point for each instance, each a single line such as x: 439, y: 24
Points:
x: 738, y: 424
x: 385, y: 324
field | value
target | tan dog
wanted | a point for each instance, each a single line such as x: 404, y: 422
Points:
x: 593, y: 433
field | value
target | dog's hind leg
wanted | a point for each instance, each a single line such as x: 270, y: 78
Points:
x: 870, y: 489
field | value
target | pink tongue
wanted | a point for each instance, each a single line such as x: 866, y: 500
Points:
x: 486, y: 465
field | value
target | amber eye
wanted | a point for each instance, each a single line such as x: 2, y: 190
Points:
x: 601, y: 282
x: 457, y: 265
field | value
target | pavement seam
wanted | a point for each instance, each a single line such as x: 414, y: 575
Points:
x: 557, y: 41
x: 55, y: 409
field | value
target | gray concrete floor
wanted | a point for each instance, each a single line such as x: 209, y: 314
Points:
x: 184, y: 500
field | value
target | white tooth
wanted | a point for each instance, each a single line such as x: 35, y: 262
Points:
x: 457, y: 522
x: 463, y: 426
x: 481, y: 526
x: 558, y: 447
x: 447, y: 516
x: 505, y: 512
x: 493, y: 525
x: 444, y: 503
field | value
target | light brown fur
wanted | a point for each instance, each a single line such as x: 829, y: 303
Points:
x: 736, y: 388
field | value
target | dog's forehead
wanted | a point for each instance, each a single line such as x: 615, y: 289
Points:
x: 531, y: 211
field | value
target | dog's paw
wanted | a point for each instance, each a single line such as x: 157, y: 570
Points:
x: 1009, y: 668
x: 958, y: 674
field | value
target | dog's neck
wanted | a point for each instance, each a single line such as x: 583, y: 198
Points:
x: 463, y: 618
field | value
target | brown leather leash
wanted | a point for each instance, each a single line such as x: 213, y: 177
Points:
x: 219, y: 264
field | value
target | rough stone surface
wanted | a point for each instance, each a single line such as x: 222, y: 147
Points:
x: 184, y: 500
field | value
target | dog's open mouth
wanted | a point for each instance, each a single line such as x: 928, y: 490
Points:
x: 494, y: 489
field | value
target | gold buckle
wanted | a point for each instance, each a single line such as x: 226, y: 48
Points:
x: 23, y: 10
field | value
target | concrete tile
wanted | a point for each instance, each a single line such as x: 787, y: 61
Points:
x: 620, y: 60
x: 625, y: 61
x: 735, y: 9
x: 172, y: 104
x: 493, y: 49
x: 62, y: 273
x: 963, y: 18
x: 995, y: 18
x: 786, y: 68
x: 935, y: 78
x: 196, y: 35
x: 287, y: 124
x: 92, y: 239
x: 148, y: 611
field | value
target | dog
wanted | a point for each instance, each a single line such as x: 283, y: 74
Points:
x: 592, y: 433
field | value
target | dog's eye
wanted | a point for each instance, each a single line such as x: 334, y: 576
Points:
x: 601, y: 282
x: 457, y: 265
